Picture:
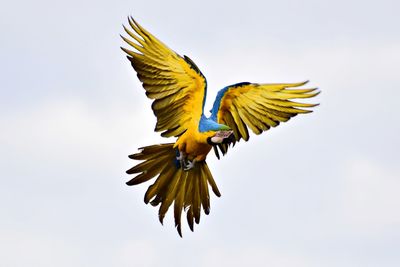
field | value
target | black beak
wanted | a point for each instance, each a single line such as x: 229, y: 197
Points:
x: 229, y: 139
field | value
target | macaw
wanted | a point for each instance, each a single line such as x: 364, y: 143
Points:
x: 179, y: 89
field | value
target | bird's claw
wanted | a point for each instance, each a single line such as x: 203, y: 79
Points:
x: 189, y: 165
x: 180, y: 157
x: 184, y: 162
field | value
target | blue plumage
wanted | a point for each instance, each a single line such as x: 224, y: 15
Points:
x: 208, y: 124
x: 221, y: 93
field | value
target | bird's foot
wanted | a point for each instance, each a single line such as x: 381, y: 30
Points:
x: 189, y: 165
x: 182, y: 159
x: 185, y: 164
x: 181, y: 156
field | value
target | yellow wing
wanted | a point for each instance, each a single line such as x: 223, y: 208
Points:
x: 258, y: 106
x: 174, y: 82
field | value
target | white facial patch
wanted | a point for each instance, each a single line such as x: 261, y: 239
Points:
x: 223, y: 134
x: 217, y: 139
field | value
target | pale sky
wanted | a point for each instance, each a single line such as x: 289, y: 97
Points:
x: 320, y: 190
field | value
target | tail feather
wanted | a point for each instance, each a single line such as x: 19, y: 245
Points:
x: 196, y: 196
x: 210, y: 179
x: 178, y: 204
x: 150, y: 152
x: 169, y: 194
x: 159, y: 186
x: 204, y: 194
x: 148, y: 170
x: 149, y: 164
x: 189, y: 216
x: 187, y: 202
x: 187, y: 190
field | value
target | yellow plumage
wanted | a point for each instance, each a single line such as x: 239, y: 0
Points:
x: 261, y: 106
x: 178, y: 88
x: 187, y: 189
x: 168, y: 79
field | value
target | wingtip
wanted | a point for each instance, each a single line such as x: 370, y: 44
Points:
x: 131, y: 182
x: 161, y: 219
x: 191, y: 227
x: 125, y: 40
x: 206, y: 210
x: 146, y: 198
x: 133, y: 156
x: 179, y: 229
x: 134, y: 21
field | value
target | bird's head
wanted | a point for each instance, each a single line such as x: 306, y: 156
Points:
x: 221, y: 137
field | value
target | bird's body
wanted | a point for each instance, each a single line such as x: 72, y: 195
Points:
x: 194, y: 144
x: 179, y: 89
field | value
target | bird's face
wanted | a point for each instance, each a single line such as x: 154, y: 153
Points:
x: 223, y: 136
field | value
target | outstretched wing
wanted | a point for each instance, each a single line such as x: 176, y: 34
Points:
x: 258, y: 107
x: 174, y: 82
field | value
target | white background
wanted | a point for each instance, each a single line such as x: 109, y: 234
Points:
x: 320, y: 190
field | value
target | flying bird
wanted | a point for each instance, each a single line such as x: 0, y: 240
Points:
x: 178, y: 88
